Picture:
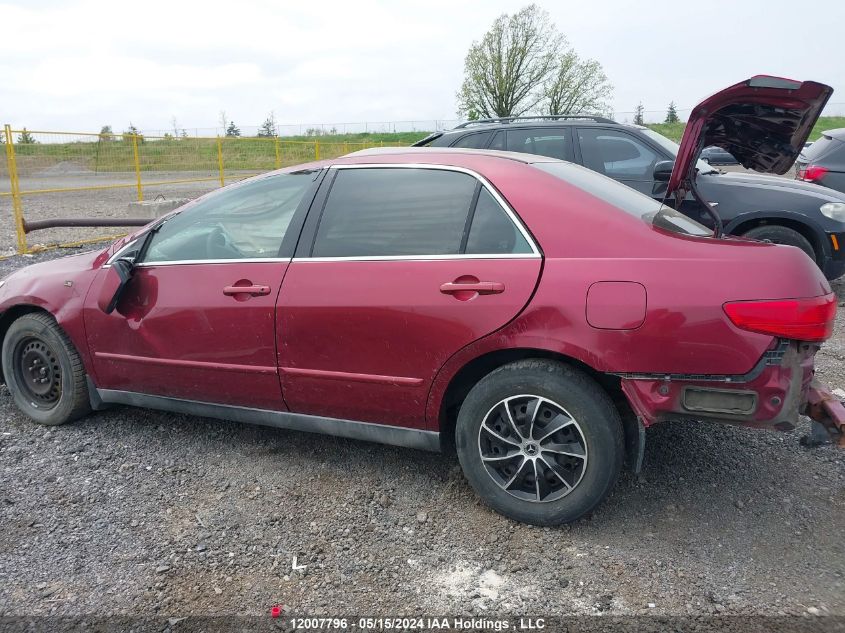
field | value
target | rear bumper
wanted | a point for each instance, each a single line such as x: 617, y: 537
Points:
x: 770, y: 396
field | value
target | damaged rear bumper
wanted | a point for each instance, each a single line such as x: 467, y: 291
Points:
x: 772, y: 395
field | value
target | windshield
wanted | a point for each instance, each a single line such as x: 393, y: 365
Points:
x: 672, y: 148
x: 624, y: 198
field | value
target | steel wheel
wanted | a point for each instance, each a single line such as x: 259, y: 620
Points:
x: 38, y: 372
x: 532, y: 448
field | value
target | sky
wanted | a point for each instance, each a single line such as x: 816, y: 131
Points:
x: 81, y: 64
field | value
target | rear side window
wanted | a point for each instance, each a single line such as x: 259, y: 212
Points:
x: 549, y: 142
x: 390, y: 212
x: 473, y: 141
x: 492, y: 231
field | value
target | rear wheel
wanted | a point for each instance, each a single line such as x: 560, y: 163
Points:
x: 43, y: 371
x: 540, y: 442
x: 782, y: 235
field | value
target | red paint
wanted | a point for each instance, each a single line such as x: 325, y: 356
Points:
x: 380, y: 341
x: 616, y: 305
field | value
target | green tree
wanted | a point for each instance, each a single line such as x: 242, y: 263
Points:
x: 672, y: 113
x: 505, y: 71
x: 25, y: 138
x: 638, y: 115
x: 106, y: 133
x: 131, y: 131
x: 233, y: 130
x: 268, y: 128
x: 576, y: 87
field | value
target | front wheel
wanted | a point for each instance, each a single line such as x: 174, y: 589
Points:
x: 540, y: 442
x: 43, y: 371
x: 782, y: 235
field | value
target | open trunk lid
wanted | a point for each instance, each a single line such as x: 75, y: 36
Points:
x: 763, y: 121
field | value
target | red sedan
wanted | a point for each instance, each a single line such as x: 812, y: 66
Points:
x: 533, y: 314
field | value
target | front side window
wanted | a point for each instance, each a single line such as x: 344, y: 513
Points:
x: 616, y: 154
x: 398, y: 212
x: 242, y: 222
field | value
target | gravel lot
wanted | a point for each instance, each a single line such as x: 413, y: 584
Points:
x: 139, y: 512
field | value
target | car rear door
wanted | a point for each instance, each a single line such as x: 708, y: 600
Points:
x: 399, y: 268
x: 196, y: 321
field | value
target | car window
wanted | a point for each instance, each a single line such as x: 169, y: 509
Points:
x: 492, y: 231
x: 552, y: 143
x: 376, y: 212
x: 624, y: 198
x: 473, y: 141
x: 616, y: 154
x: 498, y: 141
x: 241, y: 222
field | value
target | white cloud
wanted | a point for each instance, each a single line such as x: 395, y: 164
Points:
x: 83, y: 63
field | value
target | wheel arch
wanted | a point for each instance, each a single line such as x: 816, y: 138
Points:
x: 472, y: 371
x: 9, y: 316
x: 798, y: 223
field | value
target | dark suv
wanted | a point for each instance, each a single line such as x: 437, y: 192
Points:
x: 769, y: 208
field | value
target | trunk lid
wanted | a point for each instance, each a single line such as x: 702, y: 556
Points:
x: 763, y: 121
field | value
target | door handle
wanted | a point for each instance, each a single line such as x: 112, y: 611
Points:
x: 481, y: 287
x: 255, y: 291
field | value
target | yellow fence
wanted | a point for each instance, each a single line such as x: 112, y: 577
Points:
x: 97, y: 175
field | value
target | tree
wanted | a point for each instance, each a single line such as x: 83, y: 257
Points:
x: 175, y: 125
x: 638, y: 115
x: 25, y: 138
x: 131, y: 131
x: 233, y: 130
x: 576, y: 87
x: 671, y: 114
x: 268, y: 128
x: 505, y: 71
x: 106, y: 133
x: 224, y: 121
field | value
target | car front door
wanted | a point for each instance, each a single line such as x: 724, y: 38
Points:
x: 620, y: 156
x: 402, y: 268
x: 196, y: 321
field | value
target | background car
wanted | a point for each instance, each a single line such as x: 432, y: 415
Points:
x: 717, y: 156
x: 823, y: 163
x: 762, y: 207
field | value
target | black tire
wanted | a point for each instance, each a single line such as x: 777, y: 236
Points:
x: 43, y: 371
x: 782, y: 235
x: 556, y: 387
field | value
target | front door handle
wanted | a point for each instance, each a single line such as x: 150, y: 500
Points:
x: 481, y: 287
x: 255, y: 291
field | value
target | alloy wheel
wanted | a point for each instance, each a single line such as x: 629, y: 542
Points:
x: 532, y: 448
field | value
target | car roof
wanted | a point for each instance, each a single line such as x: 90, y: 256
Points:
x: 838, y: 133
x: 447, y: 153
x: 539, y: 123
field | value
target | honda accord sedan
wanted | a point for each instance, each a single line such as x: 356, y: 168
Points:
x: 531, y: 313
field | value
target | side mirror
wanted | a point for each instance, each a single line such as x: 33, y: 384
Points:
x: 663, y: 170
x: 115, y: 283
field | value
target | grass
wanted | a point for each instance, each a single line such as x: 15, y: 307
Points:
x: 674, y: 131
x: 260, y: 154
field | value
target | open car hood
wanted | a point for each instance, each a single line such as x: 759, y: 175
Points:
x: 763, y: 121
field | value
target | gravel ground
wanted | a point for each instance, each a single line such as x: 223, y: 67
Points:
x: 139, y: 512
x: 110, y: 203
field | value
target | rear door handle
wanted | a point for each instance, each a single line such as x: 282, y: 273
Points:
x: 481, y: 287
x: 255, y: 291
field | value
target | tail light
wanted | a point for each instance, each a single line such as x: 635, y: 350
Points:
x: 808, y: 319
x: 812, y: 173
